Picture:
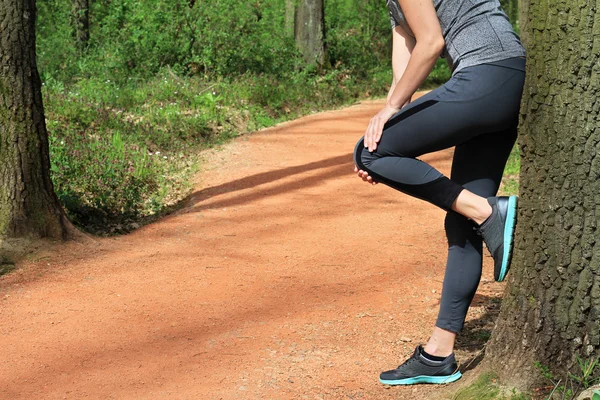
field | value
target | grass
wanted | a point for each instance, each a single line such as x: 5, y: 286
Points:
x: 486, y: 387
x: 510, y: 181
x: 123, y: 154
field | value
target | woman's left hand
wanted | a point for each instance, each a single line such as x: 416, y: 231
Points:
x: 375, y: 129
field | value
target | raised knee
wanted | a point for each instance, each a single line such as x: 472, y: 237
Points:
x: 363, y: 157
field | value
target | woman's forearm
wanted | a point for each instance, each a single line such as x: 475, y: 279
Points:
x: 391, y: 91
x: 422, y: 60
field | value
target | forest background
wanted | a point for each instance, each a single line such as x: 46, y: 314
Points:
x: 129, y: 107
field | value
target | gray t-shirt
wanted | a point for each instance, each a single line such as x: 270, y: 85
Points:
x: 475, y: 31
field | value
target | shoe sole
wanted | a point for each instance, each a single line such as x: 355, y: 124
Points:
x: 509, y: 233
x: 440, y: 380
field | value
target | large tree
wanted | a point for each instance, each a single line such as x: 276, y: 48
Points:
x: 310, y: 30
x: 28, y: 204
x: 551, y: 308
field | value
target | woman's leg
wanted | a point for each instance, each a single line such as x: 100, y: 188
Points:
x: 476, y: 111
x: 477, y: 166
x: 477, y: 100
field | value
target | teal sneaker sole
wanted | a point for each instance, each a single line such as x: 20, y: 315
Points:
x: 440, y: 380
x: 509, y: 234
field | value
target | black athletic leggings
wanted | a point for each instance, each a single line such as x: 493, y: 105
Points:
x: 477, y: 111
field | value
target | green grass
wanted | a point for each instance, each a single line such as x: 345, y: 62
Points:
x: 486, y: 387
x: 510, y: 181
x: 123, y: 154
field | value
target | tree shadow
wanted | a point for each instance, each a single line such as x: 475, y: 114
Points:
x: 266, y: 177
x: 343, y: 163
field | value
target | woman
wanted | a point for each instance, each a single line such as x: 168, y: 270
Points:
x: 476, y: 111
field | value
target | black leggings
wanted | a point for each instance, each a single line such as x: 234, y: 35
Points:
x: 477, y: 111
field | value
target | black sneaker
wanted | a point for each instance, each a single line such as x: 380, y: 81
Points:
x: 498, y: 233
x: 419, y: 369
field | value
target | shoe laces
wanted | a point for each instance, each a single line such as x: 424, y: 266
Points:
x: 407, y: 363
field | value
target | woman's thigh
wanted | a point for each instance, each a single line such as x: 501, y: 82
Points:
x: 476, y: 101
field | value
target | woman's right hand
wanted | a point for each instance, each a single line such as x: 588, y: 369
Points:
x: 364, y: 175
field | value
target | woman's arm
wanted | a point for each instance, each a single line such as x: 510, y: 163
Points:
x: 402, y: 47
x: 429, y: 43
x: 424, y: 23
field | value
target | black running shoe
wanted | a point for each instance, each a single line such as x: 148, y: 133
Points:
x: 419, y: 369
x: 498, y: 233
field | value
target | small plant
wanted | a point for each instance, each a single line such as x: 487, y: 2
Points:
x: 574, y: 383
x: 585, y: 377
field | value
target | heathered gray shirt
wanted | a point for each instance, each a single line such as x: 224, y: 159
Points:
x: 475, y: 31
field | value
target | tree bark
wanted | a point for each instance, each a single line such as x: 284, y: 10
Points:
x: 81, y: 22
x: 28, y: 205
x: 551, y: 308
x: 310, y: 30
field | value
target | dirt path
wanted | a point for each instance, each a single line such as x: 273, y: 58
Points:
x: 272, y: 283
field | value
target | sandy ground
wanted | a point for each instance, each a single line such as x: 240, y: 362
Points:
x: 283, y: 277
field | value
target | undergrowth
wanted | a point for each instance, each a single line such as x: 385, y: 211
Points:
x: 486, y: 387
x: 122, y: 154
x: 128, y: 111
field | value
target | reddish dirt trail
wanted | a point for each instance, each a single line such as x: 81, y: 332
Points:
x: 284, y: 277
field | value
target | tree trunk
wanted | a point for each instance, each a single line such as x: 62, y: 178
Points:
x: 310, y: 30
x: 81, y: 22
x: 290, y: 17
x: 511, y: 8
x: 28, y: 204
x: 513, y: 12
x: 551, y: 308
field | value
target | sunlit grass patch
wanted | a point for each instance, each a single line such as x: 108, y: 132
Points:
x: 486, y: 387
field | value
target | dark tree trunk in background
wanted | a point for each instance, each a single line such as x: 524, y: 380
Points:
x: 551, y: 308
x: 290, y: 17
x: 310, y: 30
x: 511, y: 8
x: 28, y: 205
x: 513, y: 11
x: 81, y: 22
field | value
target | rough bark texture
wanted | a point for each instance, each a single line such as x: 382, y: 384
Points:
x: 310, y: 30
x: 81, y: 22
x: 551, y: 309
x: 28, y: 205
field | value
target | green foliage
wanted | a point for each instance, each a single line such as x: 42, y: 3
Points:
x: 160, y: 80
x: 587, y: 375
x: 358, y: 35
x: 487, y: 388
x: 544, y: 370
x: 510, y: 180
x: 121, y: 154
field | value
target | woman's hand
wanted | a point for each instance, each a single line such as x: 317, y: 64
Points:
x: 375, y: 128
x: 364, y: 175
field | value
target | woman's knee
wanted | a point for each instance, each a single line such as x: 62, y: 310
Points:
x: 363, y: 157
